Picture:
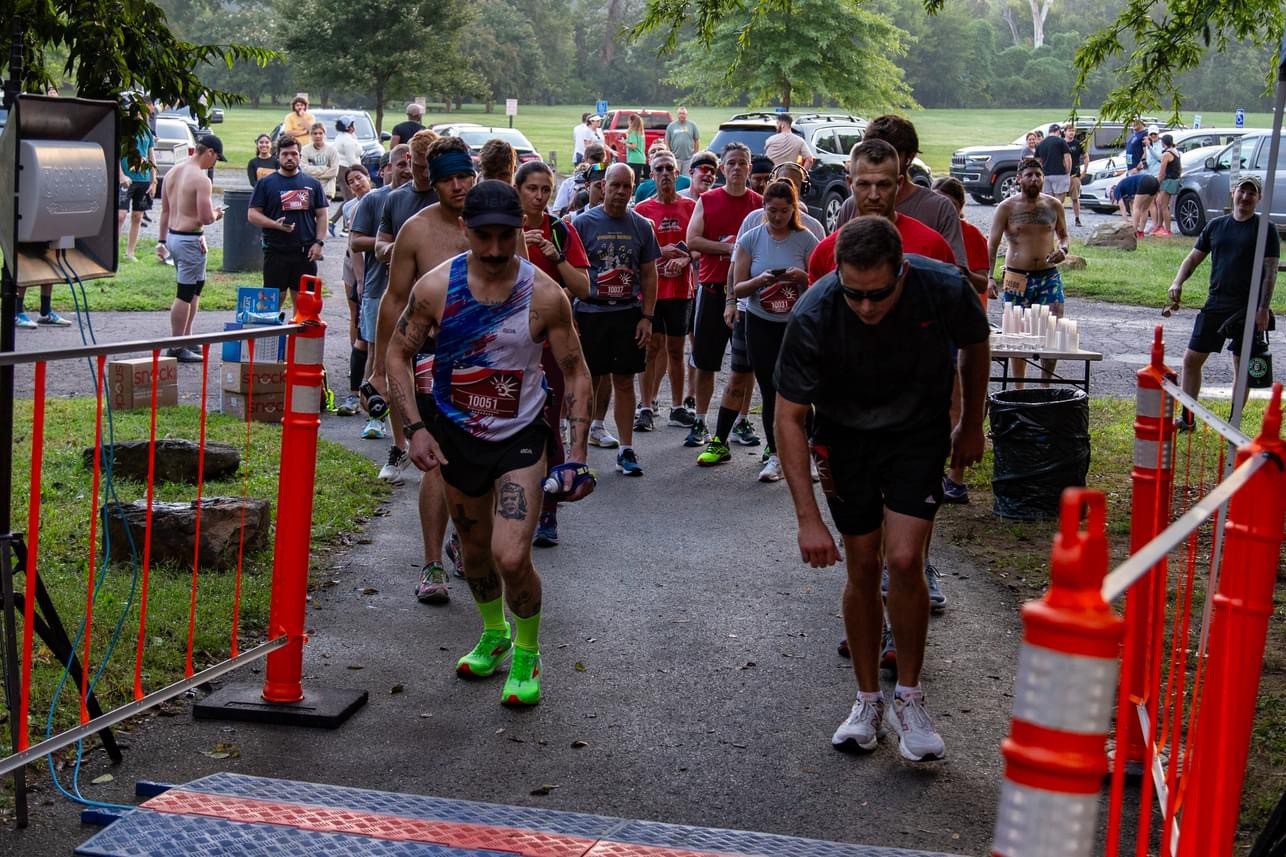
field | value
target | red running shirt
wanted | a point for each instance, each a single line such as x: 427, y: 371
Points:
x: 673, y: 281
x: 916, y: 238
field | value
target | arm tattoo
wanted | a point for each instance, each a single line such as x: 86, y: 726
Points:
x: 513, y: 501
x: 569, y: 361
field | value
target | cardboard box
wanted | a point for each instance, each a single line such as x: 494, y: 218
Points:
x: 266, y: 378
x: 271, y: 348
x: 267, y: 407
x: 129, y: 383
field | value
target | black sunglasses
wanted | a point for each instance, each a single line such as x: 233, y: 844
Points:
x: 872, y: 295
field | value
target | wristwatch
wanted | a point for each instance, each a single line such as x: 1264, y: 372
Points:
x: 409, y: 431
x: 319, y: 242
x: 646, y: 316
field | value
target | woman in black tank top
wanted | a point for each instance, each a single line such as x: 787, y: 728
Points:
x: 1168, y: 174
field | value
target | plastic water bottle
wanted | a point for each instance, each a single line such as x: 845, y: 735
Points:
x: 551, y: 485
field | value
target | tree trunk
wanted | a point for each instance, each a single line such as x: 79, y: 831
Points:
x: 1039, y: 11
x: 608, y: 52
x: 1009, y: 18
x: 785, y: 96
x: 488, y: 105
x: 379, y: 106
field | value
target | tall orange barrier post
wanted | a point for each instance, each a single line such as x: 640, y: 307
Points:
x: 1056, y: 752
x: 282, y: 698
x: 1239, y: 627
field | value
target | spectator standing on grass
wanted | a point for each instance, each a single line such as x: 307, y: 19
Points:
x: 1169, y: 170
x: 320, y: 160
x: 1229, y: 241
x: 299, y: 121
x: 290, y: 207
x: 264, y: 162
x: 1080, y: 160
x: 1056, y: 162
x: 404, y: 131
x: 137, y: 188
x: 683, y: 138
x: 185, y: 212
x: 635, y: 144
x: 1134, y: 146
x: 584, y: 135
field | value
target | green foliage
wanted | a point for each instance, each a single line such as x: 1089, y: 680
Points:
x: 379, y: 47
x: 1160, y: 41
x: 111, y: 47
x: 833, y: 51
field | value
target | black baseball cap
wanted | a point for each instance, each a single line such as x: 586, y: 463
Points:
x: 492, y: 203
x: 213, y: 143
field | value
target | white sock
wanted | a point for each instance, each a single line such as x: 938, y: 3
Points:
x: 870, y: 696
x: 902, y: 691
x: 701, y: 418
x: 627, y: 449
x: 596, y: 424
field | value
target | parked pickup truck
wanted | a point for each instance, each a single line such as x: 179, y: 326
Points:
x: 990, y: 173
x: 616, y: 124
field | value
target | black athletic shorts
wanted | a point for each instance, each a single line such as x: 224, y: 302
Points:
x: 1208, y: 337
x: 740, y: 359
x: 607, y: 338
x: 671, y: 316
x: 475, y: 465
x: 865, y: 472
x: 282, y: 269
x: 136, y: 197
x: 710, y: 334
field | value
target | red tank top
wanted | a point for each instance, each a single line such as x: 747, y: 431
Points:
x: 723, y: 213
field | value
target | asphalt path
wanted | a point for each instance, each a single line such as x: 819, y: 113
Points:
x: 684, y: 642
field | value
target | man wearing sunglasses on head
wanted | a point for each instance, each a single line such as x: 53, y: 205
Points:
x: 869, y: 347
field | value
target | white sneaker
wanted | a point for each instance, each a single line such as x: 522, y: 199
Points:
x: 374, y: 430
x: 394, y: 470
x: 863, y: 727
x: 919, y: 741
x: 771, y: 471
x: 600, y: 437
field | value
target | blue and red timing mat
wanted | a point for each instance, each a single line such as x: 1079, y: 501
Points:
x: 231, y: 814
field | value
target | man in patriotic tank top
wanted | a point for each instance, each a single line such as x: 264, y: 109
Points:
x: 489, y: 313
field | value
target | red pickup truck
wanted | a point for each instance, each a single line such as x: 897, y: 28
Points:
x: 616, y: 124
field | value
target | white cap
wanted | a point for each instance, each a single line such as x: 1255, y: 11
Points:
x: 1152, y: 129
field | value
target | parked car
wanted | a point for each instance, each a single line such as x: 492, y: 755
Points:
x: 174, y: 143
x: 616, y: 124
x: 187, y: 116
x: 1206, y: 192
x: 990, y: 173
x: 831, y: 136
x: 477, y: 136
x: 372, y: 144
x: 1102, y: 175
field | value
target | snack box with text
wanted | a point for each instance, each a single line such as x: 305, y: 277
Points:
x: 129, y: 383
x: 266, y: 377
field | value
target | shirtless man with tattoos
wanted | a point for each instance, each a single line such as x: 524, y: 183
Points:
x: 429, y: 237
x: 488, y: 313
x: 1034, y: 225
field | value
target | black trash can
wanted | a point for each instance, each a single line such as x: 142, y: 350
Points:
x: 1041, y: 440
x: 242, y: 248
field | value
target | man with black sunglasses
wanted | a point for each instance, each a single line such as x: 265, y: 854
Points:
x: 869, y: 347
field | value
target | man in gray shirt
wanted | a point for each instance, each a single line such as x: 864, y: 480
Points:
x: 931, y: 209
x: 683, y: 139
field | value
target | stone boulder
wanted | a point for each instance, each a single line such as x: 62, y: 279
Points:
x: 1074, y: 263
x: 174, y: 529
x: 176, y: 460
x: 1117, y: 233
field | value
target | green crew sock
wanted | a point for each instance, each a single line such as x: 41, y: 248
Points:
x: 493, y: 614
x: 527, y: 632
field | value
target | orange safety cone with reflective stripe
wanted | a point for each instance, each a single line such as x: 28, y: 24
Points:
x: 1056, y: 752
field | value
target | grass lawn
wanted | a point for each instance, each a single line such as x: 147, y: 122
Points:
x: 346, y: 495
x: 550, y: 128
x: 1017, y: 555
x: 1141, y: 277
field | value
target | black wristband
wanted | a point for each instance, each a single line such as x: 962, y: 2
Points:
x: 646, y: 316
x: 409, y: 431
x: 319, y: 242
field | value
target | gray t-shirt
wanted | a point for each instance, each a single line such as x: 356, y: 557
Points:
x: 932, y: 209
x: 366, y: 220
x: 767, y: 253
x: 756, y: 217
x: 618, y: 248
x: 402, y: 205
x: 681, y: 138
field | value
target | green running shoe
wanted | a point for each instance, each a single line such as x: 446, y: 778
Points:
x: 716, y: 452
x: 492, y: 649
x: 523, y: 685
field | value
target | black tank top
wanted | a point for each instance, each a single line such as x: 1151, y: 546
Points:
x: 1173, y: 169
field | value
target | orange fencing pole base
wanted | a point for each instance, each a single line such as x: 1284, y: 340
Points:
x: 281, y: 699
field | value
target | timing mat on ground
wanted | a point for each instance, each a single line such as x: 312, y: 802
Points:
x: 233, y: 814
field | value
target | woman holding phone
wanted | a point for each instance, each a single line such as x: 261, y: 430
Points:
x: 770, y: 266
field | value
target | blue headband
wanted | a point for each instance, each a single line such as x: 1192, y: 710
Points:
x: 450, y: 164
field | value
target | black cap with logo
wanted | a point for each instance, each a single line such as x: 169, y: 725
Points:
x: 492, y: 203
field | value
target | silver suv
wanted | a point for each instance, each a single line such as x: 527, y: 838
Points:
x: 1206, y: 193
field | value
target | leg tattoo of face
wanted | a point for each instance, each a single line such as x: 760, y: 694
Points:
x: 513, y: 501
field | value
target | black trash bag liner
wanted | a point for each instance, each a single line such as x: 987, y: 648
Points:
x: 1041, y: 441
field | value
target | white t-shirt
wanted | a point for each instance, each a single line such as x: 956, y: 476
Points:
x: 582, y: 136
x: 350, y: 151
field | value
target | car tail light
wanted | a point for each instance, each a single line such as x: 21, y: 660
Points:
x: 191, y: 151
